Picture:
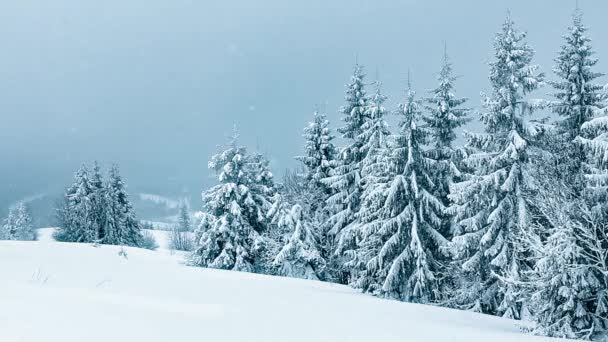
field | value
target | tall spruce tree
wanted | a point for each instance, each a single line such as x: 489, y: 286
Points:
x: 375, y: 175
x: 445, y: 115
x: 406, y: 266
x: 491, y: 207
x: 577, y: 100
x: 569, y: 284
x: 307, y: 188
x: 345, y: 180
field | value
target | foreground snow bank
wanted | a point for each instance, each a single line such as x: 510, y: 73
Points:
x: 64, y: 292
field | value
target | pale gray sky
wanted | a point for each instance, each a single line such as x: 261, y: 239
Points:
x: 155, y: 85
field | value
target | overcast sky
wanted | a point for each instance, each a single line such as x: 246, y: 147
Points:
x: 156, y: 85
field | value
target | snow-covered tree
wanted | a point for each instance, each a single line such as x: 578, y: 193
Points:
x: 184, y: 222
x: 301, y: 256
x: 491, y: 207
x: 306, y: 187
x: 319, y: 154
x: 375, y: 175
x: 262, y: 188
x: 563, y: 281
x: 407, y: 236
x: 122, y: 226
x: 577, y: 99
x: 319, y: 150
x: 445, y: 115
x: 375, y: 137
x: 98, y: 198
x: 345, y: 180
x: 77, y: 213
x: 594, y: 140
x: 180, y: 238
x: 18, y: 224
x: 229, y: 242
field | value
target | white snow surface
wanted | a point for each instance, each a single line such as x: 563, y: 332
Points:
x: 64, y: 292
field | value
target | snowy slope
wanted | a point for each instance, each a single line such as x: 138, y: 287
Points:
x: 66, y: 292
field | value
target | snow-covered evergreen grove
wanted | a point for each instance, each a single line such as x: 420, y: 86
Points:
x: 510, y: 224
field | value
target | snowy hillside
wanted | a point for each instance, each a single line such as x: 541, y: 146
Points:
x: 67, y: 292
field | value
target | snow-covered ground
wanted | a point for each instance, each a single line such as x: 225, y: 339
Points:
x: 65, y: 292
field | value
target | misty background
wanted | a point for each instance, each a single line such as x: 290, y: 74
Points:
x: 156, y: 85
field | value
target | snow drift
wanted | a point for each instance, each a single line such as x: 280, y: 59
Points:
x: 65, y: 292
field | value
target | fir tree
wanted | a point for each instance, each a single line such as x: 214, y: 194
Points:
x: 98, y: 198
x: 563, y: 280
x: 307, y: 188
x: 229, y: 242
x: 594, y: 140
x: 375, y: 175
x: 577, y: 99
x: 319, y: 154
x: 345, y: 180
x: 18, y: 224
x: 122, y: 227
x: 492, y: 208
x: 406, y: 265
x: 301, y: 256
x: 78, y: 216
x: 445, y: 115
x: 262, y: 188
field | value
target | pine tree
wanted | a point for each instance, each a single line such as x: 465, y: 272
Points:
x: 375, y: 175
x: 301, y: 256
x: 569, y: 278
x: 18, y: 224
x: 122, y: 226
x: 262, y: 188
x: 406, y: 265
x: 445, y: 115
x: 319, y: 155
x: 78, y: 220
x: 578, y: 98
x: 345, y: 180
x: 98, y: 198
x: 229, y: 242
x: 594, y: 141
x: 307, y: 187
x: 491, y: 207
x: 562, y: 280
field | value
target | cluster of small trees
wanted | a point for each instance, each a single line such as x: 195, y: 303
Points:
x: 18, y: 224
x: 511, y: 224
x: 98, y: 211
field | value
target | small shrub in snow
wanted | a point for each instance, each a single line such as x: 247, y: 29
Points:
x: 180, y: 240
x: 148, y: 241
